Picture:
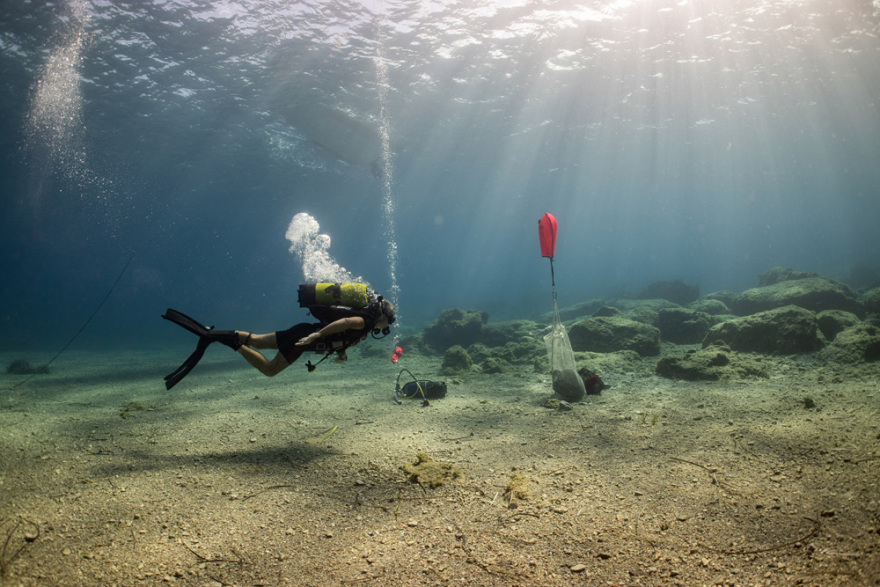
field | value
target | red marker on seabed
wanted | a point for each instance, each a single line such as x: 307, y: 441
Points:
x: 395, y: 357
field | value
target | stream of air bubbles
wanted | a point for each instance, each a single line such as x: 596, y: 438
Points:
x: 388, y: 172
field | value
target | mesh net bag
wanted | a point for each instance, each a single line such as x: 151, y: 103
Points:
x: 567, y: 384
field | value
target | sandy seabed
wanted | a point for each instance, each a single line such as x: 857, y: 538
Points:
x: 231, y: 478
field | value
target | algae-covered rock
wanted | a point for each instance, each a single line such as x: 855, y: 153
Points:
x: 724, y: 296
x: 456, y: 360
x: 521, y: 353
x: 871, y: 300
x: 517, y: 489
x: 426, y: 471
x: 779, y: 274
x: 478, y: 352
x: 786, y: 330
x: 676, y: 291
x: 683, y: 325
x: 508, y: 332
x: 856, y: 344
x: 710, y: 306
x: 455, y: 327
x: 615, y: 333
x: 578, y: 310
x: 712, y: 363
x: 645, y: 315
x: 813, y: 293
x: 831, y: 322
x: 494, y: 365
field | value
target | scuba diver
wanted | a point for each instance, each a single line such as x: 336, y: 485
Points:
x: 347, y: 314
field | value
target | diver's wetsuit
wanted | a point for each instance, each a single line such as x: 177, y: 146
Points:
x: 287, y: 339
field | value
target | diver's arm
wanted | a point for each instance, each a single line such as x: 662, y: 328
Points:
x: 341, y: 325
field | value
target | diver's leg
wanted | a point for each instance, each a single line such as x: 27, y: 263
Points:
x: 283, y: 340
x: 262, y: 364
x: 258, y: 341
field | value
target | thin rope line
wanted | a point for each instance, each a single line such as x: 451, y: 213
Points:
x: 83, y: 327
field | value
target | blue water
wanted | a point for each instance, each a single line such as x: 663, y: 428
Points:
x: 698, y: 140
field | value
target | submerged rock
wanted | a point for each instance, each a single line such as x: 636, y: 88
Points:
x: 724, y: 296
x: 676, y: 291
x: 568, y: 385
x: 856, y: 344
x: 456, y: 361
x: 494, y: 365
x: 709, y: 306
x: 615, y: 333
x: 787, y: 330
x: 715, y: 362
x: 683, y: 326
x: 455, y: 327
x: 778, y: 274
x: 645, y: 315
x: 831, y: 322
x: 871, y: 300
x: 813, y: 293
x: 586, y: 308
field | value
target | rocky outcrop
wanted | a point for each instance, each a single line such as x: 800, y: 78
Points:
x: 831, y: 322
x: 856, y: 344
x: 456, y: 361
x: 615, y: 333
x: 724, y: 296
x: 717, y: 361
x: 645, y: 315
x: 787, y: 330
x: 709, y: 306
x: 812, y: 293
x: 677, y: 291
x: 513, y: 331
x: 579, y: 310
x: 778, y: 274
x: 455, y: 327
x: 683, y: 326
x: 871, y: 300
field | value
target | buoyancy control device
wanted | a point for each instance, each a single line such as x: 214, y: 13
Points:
x: 328, y: 302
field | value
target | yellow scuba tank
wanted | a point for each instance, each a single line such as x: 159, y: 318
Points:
x: 353, y: 295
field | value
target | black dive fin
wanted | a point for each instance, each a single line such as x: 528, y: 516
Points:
x: 185, y: 321
x: 206, y: 335
x: 188, y: 365
x: 226, y: 337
